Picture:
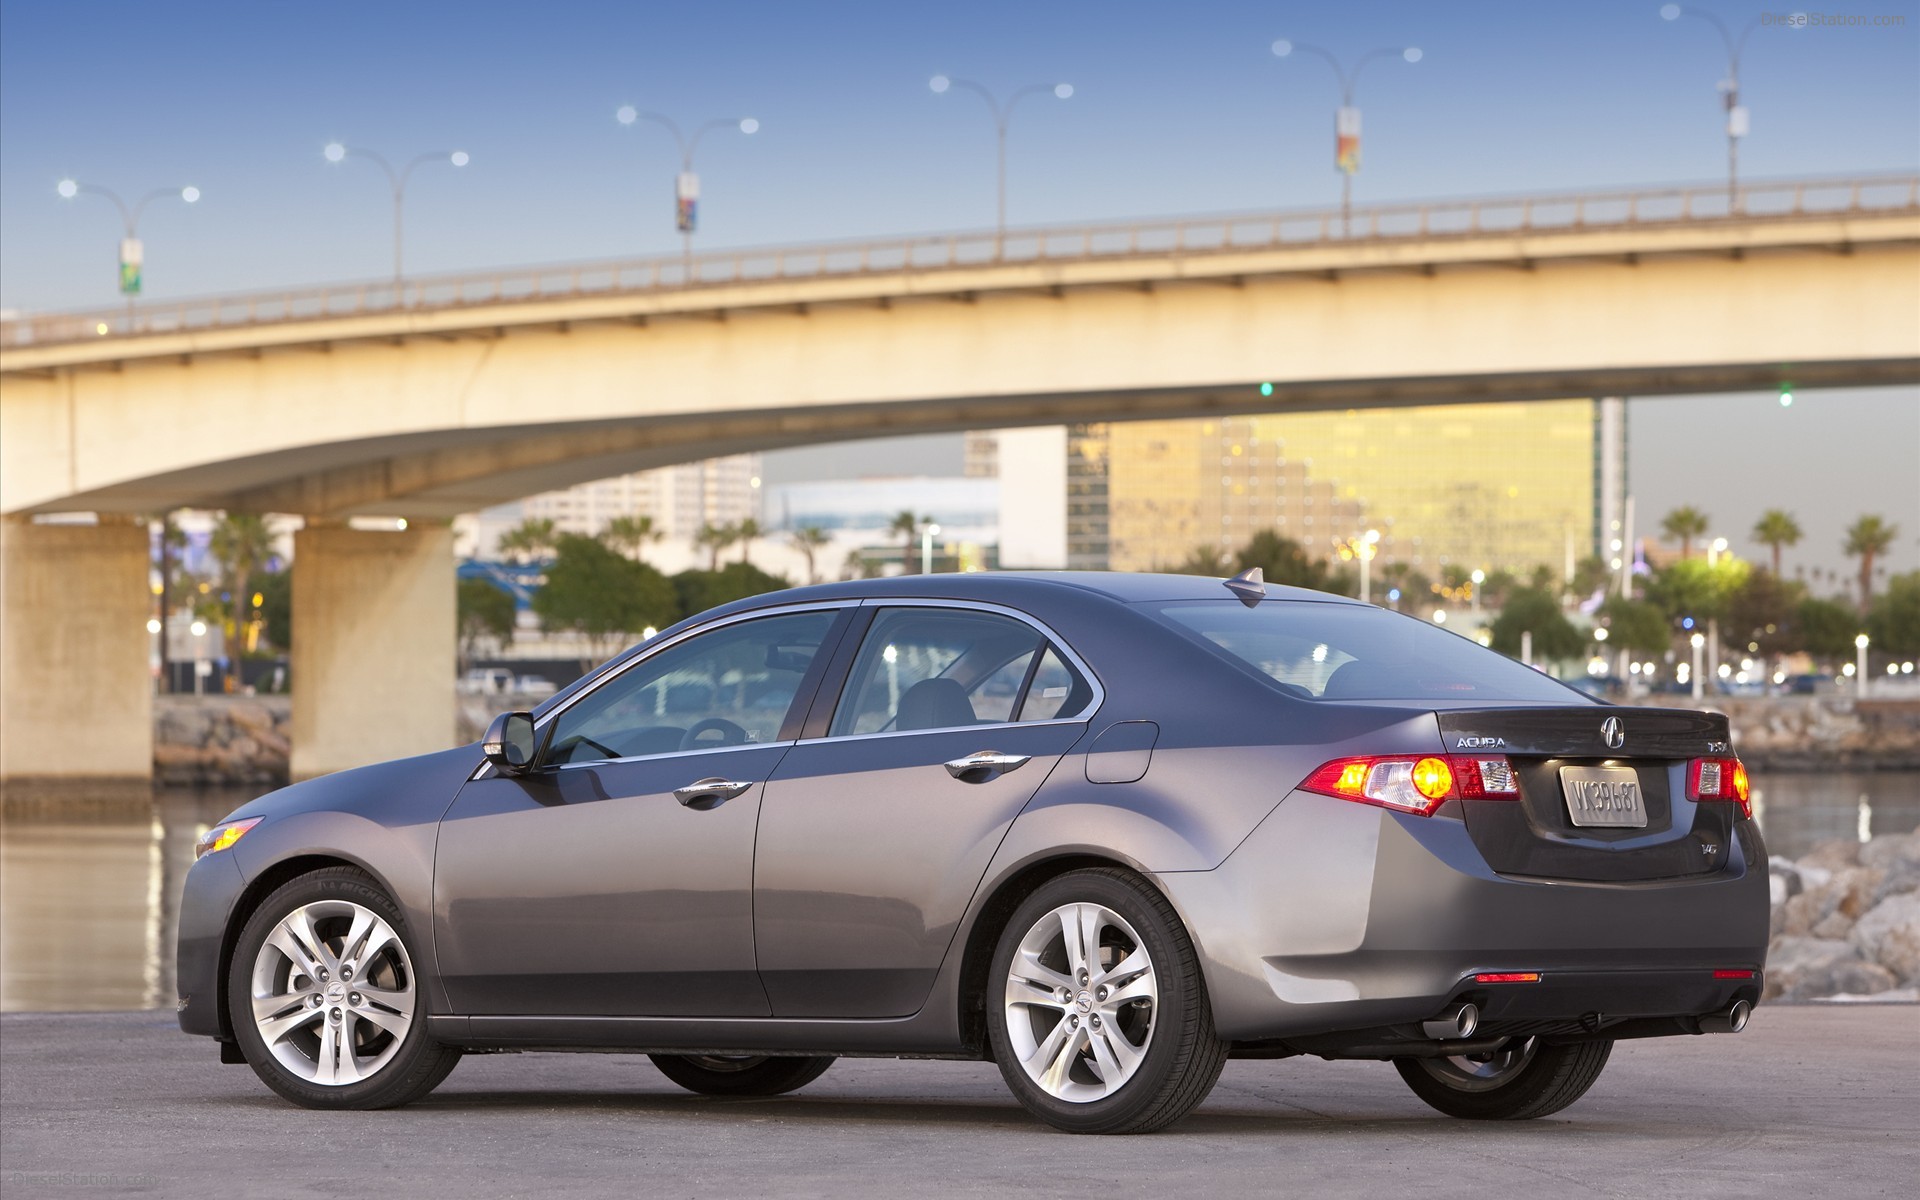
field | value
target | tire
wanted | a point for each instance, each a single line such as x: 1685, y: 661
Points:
x: 328, y: 1008
x: 1524, y: 1080
x: 740, y: 1075
x: 1119, y: 1050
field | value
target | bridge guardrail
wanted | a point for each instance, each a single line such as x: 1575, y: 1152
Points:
x: 1516, y: 216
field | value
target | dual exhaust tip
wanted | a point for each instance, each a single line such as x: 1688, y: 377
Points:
x: 1460, y: 1021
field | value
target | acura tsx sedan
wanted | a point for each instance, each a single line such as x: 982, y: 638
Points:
x: 1107, y: 831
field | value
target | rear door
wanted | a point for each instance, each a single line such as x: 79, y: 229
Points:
x: 877, y: 827
x: 1603, y: 792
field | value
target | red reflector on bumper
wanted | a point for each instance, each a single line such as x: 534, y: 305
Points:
x: 1733, y: 974
x: 1509, y: 977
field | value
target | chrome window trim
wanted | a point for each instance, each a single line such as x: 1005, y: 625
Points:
x: 666, y: 754
x: 1052, y: 639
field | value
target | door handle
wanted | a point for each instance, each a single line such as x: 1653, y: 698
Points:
x: 985, y: 765
x: 708, y: 793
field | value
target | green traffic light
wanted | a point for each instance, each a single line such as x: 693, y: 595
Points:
x: 1266, y: 389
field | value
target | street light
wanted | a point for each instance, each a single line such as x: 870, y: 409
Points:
x: 1346, y: 119
x: 1860, y: 673
x: 1478, y: 577
x: 131, y: 252
x: 1002, y: 113
x: 1737, y: 119
x: 926, y: 548
x: 686, y: 188
x: 397, y: 180
x: 1697, y: 641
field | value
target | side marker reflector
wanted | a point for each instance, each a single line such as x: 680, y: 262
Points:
x: 1508, y: 977
x: 1733, y: 974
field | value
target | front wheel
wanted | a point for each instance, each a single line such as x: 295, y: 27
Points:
x: 740, y: 1074
x: 1097, y: 1013
x: 327, y: 1005
x: 1521, y: 1080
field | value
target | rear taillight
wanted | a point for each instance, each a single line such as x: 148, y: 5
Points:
x: 1720, y: 779
x: 1416, y: 783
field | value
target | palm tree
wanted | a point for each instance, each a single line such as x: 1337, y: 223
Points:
x: 1683, y: 525
x: 715, y: 539
x: 240, y: 543
x: 1867, y: 539
x: 631, y: 535
x: 747, y: 530
x: 808, y: 539
x: 1776, y: 528
x: 530, y: 540
x: 907, y: 525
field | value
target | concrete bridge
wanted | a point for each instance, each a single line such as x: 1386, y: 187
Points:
x: 451, y: 394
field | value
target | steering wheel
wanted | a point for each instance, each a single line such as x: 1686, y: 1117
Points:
x: 730, y: 734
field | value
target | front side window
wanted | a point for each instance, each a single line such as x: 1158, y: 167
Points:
x: 729, y: 687
x: 946, y: 668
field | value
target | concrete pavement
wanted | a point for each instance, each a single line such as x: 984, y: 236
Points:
x: 1809, y: 1101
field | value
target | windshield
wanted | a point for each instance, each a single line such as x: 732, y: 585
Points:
x: 1319, y: 651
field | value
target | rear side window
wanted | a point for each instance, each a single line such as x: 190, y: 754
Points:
x: 923, y: 668
x: 1325, y: 651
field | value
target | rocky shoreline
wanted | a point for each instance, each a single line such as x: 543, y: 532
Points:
x: 221, y: 740
x: 1846, y: 922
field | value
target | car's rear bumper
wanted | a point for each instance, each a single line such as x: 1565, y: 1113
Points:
x: 1337, y: 916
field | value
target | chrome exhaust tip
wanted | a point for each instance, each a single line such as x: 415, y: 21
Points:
x: 1731, y: 1021
x: 1455, y: 1023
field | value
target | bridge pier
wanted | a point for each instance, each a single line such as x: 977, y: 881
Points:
x: 76, y: 694
x: 373, y: 645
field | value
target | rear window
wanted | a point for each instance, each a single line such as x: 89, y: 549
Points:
x: 1320, y: 651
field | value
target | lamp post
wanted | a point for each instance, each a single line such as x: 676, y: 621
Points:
x: 397, y: 180
x: 686, y: 188
x: 132, y: 254
x: 1737, y: 119
x: 927, y: 535
x: 1697, y: 641
x: 1860, y: 644
x: 1478, y: 577
x: 200, y: 672
x: 1002, y: 114
x: 1346, y: 119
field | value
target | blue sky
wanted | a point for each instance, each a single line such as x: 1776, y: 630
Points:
x: 1177, y: 108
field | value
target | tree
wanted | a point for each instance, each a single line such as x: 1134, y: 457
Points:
x: 1760, y: 614
x: 631, y: 535
x: 1635, y: 625
x: 698, y: 591
x: 1530, y: 610
x: 530, y: 541
x: 598, y: 593
x: 907, y: 526
x: 1867, y: 539
x: 1282, y: 560
x: 1590, y: 575
x: 1692, y: 588
x: 747, y: 530
x: 276, y: 607
x: 1776, y: 528
x: 1826, y: 628
x: 485, y: 611
x: 1683, y: 525
x: 1894, y: 624
x: 241, y: 544
x: 715, y: 539
x: 1208, y: 560
x: 808, y: 540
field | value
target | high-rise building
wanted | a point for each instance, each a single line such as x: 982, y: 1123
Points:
x: 1491, y: 486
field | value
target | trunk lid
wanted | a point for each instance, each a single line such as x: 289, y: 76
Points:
x: 1568, y: 762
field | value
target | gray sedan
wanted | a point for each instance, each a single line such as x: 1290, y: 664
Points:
x: 1106, y: 830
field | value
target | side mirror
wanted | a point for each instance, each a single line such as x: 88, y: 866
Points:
x: 509, y: 743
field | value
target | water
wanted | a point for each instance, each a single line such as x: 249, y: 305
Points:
x: 90, y: 881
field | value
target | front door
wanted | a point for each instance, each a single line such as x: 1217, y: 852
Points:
x: 874, y: 837
x: 616, y: 879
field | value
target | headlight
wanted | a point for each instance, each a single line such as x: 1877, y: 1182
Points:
x: 222, y: 836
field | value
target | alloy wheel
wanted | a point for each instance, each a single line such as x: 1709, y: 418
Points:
x: 1081, y: 997
x: 1483, y: 1072
x: 333, y: 992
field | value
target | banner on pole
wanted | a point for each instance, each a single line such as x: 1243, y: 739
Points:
x: 686, y: 202
x: 131, y: 254
x: 1346, y: 140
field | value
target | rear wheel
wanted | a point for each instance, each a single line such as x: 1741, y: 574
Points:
x: 1521, y: 1080
x: 740, y: 1074
x: 327, y: 1006
x: 1098, y: 1015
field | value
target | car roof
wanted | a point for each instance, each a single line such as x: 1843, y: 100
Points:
x: 1006, y: 586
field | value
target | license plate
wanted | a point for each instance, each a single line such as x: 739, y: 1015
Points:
x: 1607, y: 796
